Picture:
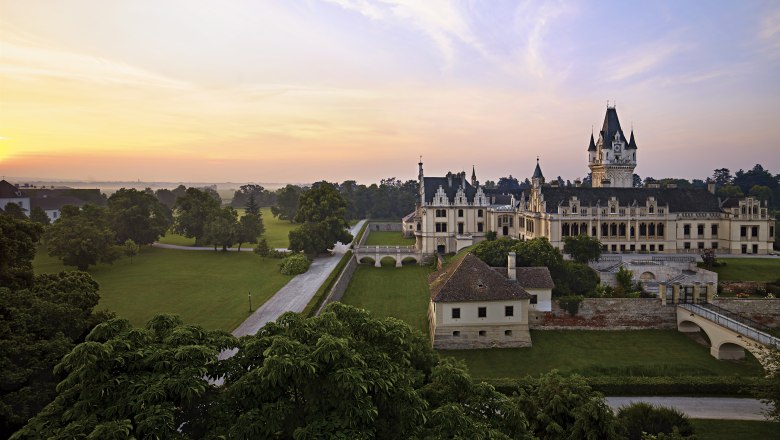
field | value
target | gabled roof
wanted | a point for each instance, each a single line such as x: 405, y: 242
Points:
x: 432, y: 184
x: 8, y: 190
x: 50, y: 203
x: 470, y: 279
x: 534, y: 278
x: 610, y: 127
x: 678, y: 199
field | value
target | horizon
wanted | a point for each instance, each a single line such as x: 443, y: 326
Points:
x: 194, y: 91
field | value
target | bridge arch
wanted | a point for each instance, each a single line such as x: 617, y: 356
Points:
x: 409, y: 260
x: 387, y: 260
x: 725, y: 344
x: 367, y: 260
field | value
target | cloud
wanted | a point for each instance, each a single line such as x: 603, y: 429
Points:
x: 769, y: 31
x: 642, y: 61
x: 533, y: 22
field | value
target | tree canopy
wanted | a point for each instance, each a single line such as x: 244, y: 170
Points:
x: 138, y: 216
x: 286, y: 202
x: 82, y: 237
x: 193, y: 211
x: 321, y: 212
x: 582, y: 248
x: 18, y: 239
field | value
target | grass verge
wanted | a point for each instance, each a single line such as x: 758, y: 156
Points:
x: 735, y: 429
x: 748, y: 269
x: 203, y: 287
x: 316, y: 301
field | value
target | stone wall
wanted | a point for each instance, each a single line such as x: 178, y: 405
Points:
x: 385, y: 226
x: 607, y: 314
x: 735, y: 287
x: 340, y: 286
x: 763, y: 311
x: 492, y: 336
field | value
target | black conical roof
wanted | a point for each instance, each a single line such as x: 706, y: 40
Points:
x: 592, y: 146
x: 538, y: 171
x: 610, y: 127
x: 632, y: 143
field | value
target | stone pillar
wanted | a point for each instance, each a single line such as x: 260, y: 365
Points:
x: 377, y: 261
x: 676, y: 293
x: 662, y: 293
x: 398, y: 257
x: 512, y: 266
x: 711, y: 289
x: 696, y: 289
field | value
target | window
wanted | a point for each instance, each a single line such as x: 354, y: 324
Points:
x: 754, y: 232
x: 622, y: 248
x: 509, y: 311
x: 456, y: 333
x: 614, y: 248
x: 660, y: 229
x: 534, y: 299
x: 481, y: 312
x: 612, y: 209
x: 714, y: 244
x: 460, y: 228
x: 700, y: 230
x: 651, y: 209
x: 479, y: 213
x: 686, y: 229
x: 480, y: 227
x: 652, y: 248
x: 660, y: 248
x: 743, y: 231
x: 700, y: 245
x: 507, y: 332
x: 744, y: 248
x: 687, y: 245
x: 643, y: 247
x: 441, y: 213
x: 460, y: 213
x: 714, y: 230
x: 771, y: 231
x: 482, y: 333
x: 456, y: 313
x: 441, y: 227
x: 632, y: 248
x: 755, y: 248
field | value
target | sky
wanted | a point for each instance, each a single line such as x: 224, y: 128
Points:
x: 307, y: 90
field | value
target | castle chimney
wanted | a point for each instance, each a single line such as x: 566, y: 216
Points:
x: 449, y: 179
x: 577, y: 182
x: 711, y: 186
x: 606, y: 183
x: 512, y: 266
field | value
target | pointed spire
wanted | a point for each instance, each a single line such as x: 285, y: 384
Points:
x: 592, y: 145
x: 473, y: 176
x: 538, y: 170
x: 632, y: 142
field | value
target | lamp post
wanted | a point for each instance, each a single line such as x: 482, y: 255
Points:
x: 250, y: 302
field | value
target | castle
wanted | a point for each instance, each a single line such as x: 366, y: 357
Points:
x: 453, y: 213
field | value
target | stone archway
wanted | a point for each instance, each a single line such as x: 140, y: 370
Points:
x: 647, y: 276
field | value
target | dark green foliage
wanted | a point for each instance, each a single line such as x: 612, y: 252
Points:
x: 221, y: 228
x: 130, y: 249
x: 490, y: 235
x: 640, y: 417
x: 38, y: 215
x: 82, y: 237
x: 625, y: 279
x: 252, y: 197
x: 570, y: 303
x: 193, y: 212
x: 18, y: 238
x: 13, y: 210
x: 286, y: 202
x: 295, y: 264
x: 494, y: 252
x: 560, y: 407
x: 168, y: 197
x: 250, y: 227
x: 390, y: 199
x: 730, y: 191
x: 575, y: 279
x: 37, y: 327
x: 262, y: 248
x: 126, y: 381
x: 138, y: 216
x: 759, y: 177
x: 321, y: 212
x: 708, y: 258
x: 582, y: 248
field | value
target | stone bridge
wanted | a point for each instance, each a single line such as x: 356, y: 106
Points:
x: 398, y: 254
x: 728, y: 337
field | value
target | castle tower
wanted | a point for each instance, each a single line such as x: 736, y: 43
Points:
x: 474, y: 176
x: 538, y: 178
x: 613, y: 157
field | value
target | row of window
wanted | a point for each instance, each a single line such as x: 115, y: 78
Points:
x: 700, y: 230
x: 443, y: 213
x: 482, y: 312
x: 482, y: 333
x: 442, y: 227
x: 632, y: 248
x: 614, y: 230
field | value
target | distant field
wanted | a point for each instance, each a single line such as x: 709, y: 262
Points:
x: 203, y: 287
x: 388, y: 238
x: 276, y: 232
x: 604, y: 353
x: 749, y: 269
x: 735, y: 430
x: 389, y: 291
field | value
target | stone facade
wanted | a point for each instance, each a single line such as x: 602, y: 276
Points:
x: 608, y: 314
x: 473, y: 337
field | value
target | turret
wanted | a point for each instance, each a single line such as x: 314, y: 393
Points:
x: 591, y: 149
x: 421, y: 183
x: 538, y: 177
x: 614, y: 159
x: 474, y: 176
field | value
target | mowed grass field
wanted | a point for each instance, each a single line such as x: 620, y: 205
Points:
x: 203, y: 287
x: 403, y: 293
x: 389, y: 291
x: 735, y: 430
x: 387, y: 238
x: 276, y: 232
x: 749, y: 269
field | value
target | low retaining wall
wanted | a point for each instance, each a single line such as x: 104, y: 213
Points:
x: 763, y: 311
x: 607, y: 314
x: 340, y: 286
x: 385, y: 226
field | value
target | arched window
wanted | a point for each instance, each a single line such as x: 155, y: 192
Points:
x: 652, y: 229
x: 584, y: 229
x: 633, y: 232
x: 651, y: 209
x: 604, y: 230
x: 575, y: 229
x: 565, y: 230
x: 622, y: 230
x: 613, y: 229
x: 642, y: 230
x: 660, y: 230
x: 744, y: 209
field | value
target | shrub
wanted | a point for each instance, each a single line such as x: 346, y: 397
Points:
x: 295, y: 264
x: 570, y: 303
x: 642, y: 417
x: 273, y: 253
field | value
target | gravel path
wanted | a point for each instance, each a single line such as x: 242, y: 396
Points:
x: 724, y: 408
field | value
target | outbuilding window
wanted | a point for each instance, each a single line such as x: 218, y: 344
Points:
x: 456, y: 313
x: 482, y: 312
x: 509, y: 311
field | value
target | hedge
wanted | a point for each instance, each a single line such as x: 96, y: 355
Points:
x: 653, y: 386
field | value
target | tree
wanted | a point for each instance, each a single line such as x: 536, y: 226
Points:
x: 322, y: 212
x: 251, y: 206
x: 286, y: 202
x: 193, y: 211
x: 625, y: 279
x: 494, y: 252
x: 295, y: 264
x: 538, y: 252
x: 582, y: 248
x: 256, y: 193
x: 18, y: 239
x: 250, y: 227
x: 769, y: 392
x: 138, y: 216
x: 722, y: 177
x: 761, y: 192
x: 168, y: 197
x: 126, y: 382
x: 489, y: 184
x: 730, y: 191
x: 562, y: 408
x: 130, y: 249
x: 508, y: 183
x: 38, y: 215
x: 39, y: 325
x: 637, y: 183
x: 262, y: 248
x: 222, y: 228
x: 641, y: 418
x: 14, y: 210
x: 82, y: 237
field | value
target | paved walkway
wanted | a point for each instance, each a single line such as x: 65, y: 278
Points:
x: 724, y: 408
x: 248, y: 248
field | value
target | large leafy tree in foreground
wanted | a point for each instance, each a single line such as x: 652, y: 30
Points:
x: 138, y: 216
x: 18, y: 238
x: 39, y: 325
x: 321, y: 212
x: 82, y: 237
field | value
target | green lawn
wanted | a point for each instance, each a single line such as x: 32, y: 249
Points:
x: 388, y: 238
x: 735, y: 430
x: 390, y: 291
x: 203, y: 287
x: 749, y: 269
x: 276, y: 232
